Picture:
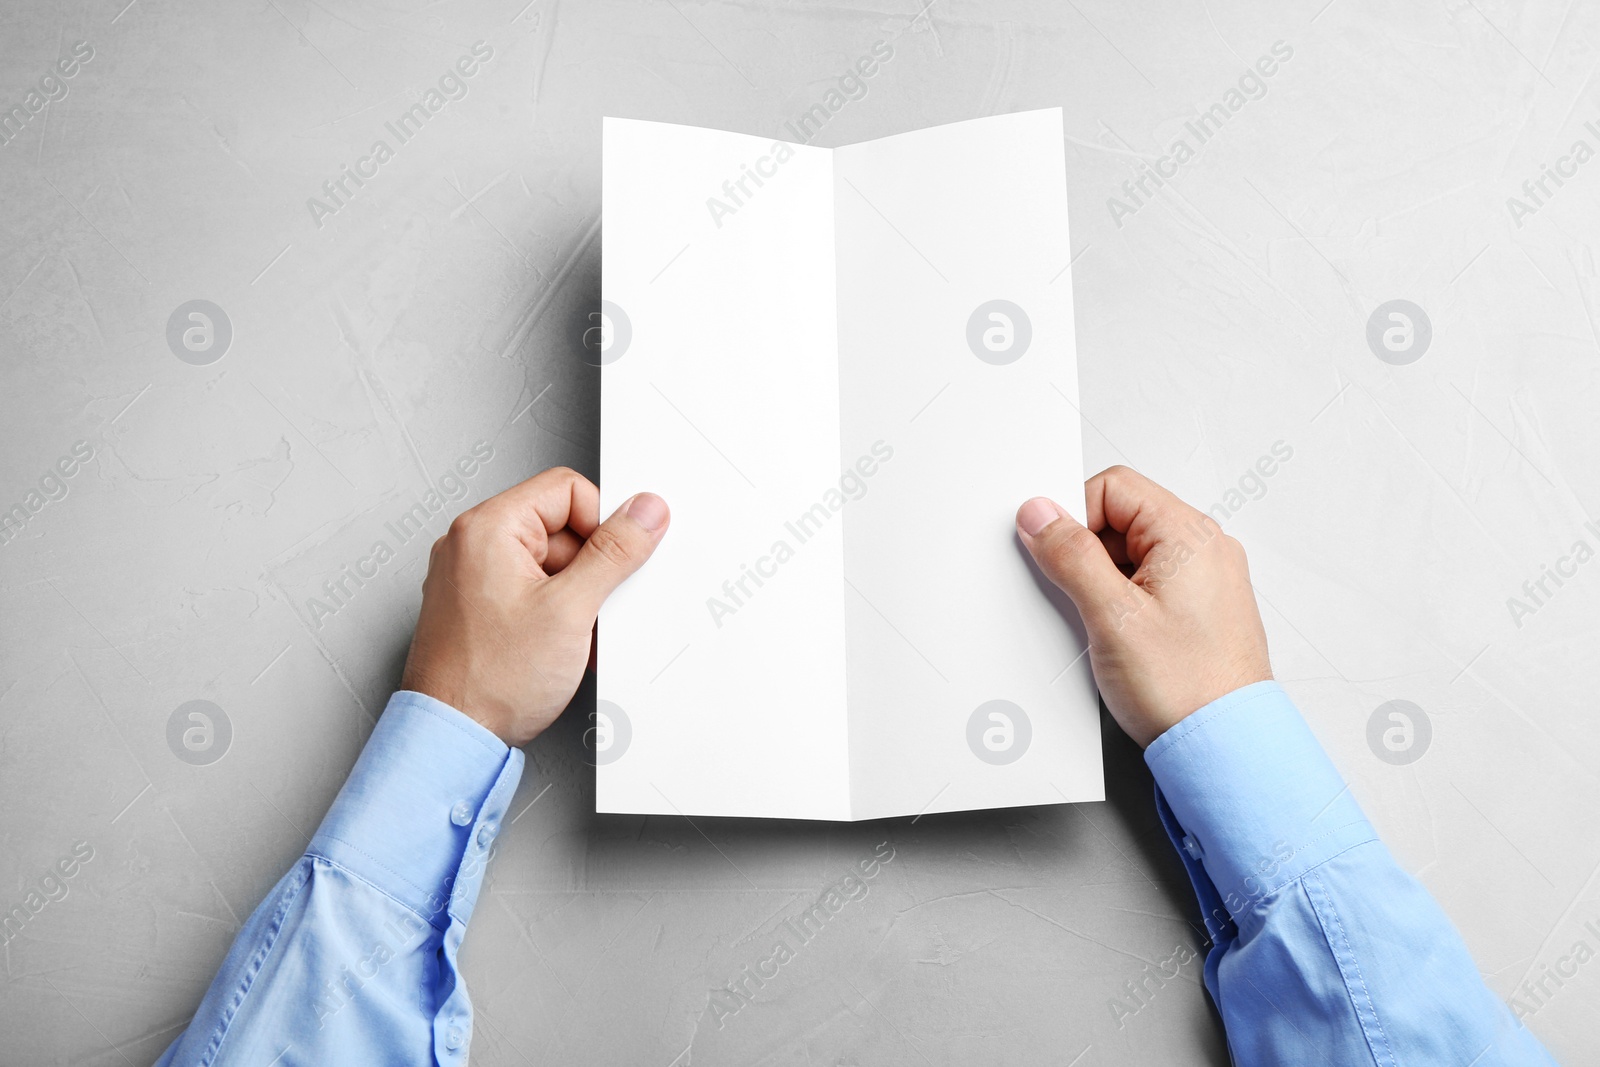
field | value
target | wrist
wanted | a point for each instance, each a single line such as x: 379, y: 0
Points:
x: 1212, y: 687
x: 502, y: 726
x: 449, y: 689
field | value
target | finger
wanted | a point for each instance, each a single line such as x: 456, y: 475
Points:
x: 564, y: 545
x: 532, y: 511
x: 1074, y: 559
x: 1116, y: 543
x: 1123, y: 500
x: 615, y: 549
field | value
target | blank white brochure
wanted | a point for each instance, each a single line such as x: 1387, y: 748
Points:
x: 844, y: 369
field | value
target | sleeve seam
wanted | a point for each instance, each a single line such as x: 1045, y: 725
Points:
x: 319, y: 857
x: 1343, y: 954
x: 366, y: 880
x: 230, y: 1011
x: 1273, y: 892
x: 1287, y: 882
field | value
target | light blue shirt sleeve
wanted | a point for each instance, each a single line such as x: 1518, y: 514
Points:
x: 351, y: 958
x: 1324, y: 951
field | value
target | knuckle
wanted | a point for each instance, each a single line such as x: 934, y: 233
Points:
x: 611, y: 547
x: 1074, y: 543
x: 465, y: 526
x: 1067, y: 553
x: 566, y: 476
x: 1115, y: 472
x: 1241, y: 560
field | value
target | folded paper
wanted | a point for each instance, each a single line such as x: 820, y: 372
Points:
x: 844, y: 369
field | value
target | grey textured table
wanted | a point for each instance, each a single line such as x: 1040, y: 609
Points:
x: 364, y: 336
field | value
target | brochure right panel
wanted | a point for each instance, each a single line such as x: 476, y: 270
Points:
x: 966, y: 679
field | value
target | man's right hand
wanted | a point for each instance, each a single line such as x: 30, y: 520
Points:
x: 509, y: 603
x: 1165, y: 596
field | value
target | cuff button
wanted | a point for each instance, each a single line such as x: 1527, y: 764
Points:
x: 1192, y: 847
x: 461, y: 814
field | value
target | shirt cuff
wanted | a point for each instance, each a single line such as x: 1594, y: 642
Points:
x: 1251, y: 800
x: 419, y: 813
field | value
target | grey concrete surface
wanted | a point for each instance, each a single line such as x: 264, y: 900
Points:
x: 441, y: 303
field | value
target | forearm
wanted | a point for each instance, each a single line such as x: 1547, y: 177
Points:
x: 328, y: 968
x: 1324, y: 949
x: 352, y: 957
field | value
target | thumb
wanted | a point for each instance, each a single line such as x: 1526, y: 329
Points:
x: 1074, y: 559
x: 618, y: 547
